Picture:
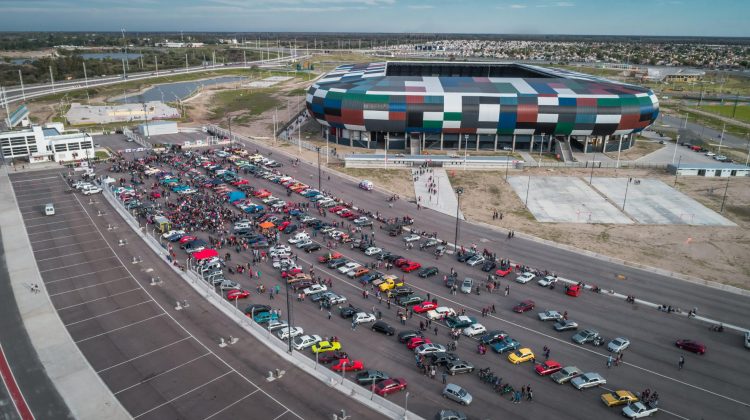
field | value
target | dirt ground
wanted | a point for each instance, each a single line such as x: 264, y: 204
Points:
x: 712, y: 253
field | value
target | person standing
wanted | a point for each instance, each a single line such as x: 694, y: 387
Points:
x: 681, y: 363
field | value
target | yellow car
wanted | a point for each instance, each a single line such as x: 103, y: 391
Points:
x: 612, y: 399
x: 520, y: 356
x: 325, y: 346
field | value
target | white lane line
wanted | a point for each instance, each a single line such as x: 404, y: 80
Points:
x: 67, y: 255
x: 89, y: 287
x: 56, y: 230
x: 183, y: 394
x: 551, y: 337
x: 39, y: 204
x: 162, y: 373
x: 108, y: 313
x: 237, y: 402
x: 54, y: 223
x: 58, y: 206
x: 76, y: 264
x: 47, y: 217
x: 61, y: 237
x: 271, y: 397
x: 143, y: 355
x: 86, y: 302
x: 33, y: 179
x: 280, y: 415
x: 83, y: 275
x: 119, y: 328
x: 66, y: 246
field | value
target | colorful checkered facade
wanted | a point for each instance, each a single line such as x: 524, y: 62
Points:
x: 362, y: 97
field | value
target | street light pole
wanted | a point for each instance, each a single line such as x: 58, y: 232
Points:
x: 593, y: 161
x: 231, y: 142
x: 507, y: 164
x: 677, y: 171
x: 528, y: 187
x: 459, y: 191
x: 724, y: 199
x: 317, y: 148
x: 288, y: 318
x: 406, y: 404
x: 466, y: 148
x: 676, y: 143
x: 626, y: 194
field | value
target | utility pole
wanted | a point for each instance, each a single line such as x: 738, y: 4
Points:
x: 724, y: 199
x: 459, y: 191
x: 721, y: 139
x: 156, y: 60
x: 186, y: 63
x: 52, y: 79
x: 20, y: 76
x: 317, y: 148
x: 676, y: 143
x: 125, y: 45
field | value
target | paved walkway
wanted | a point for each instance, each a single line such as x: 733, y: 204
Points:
x: 444, y: 199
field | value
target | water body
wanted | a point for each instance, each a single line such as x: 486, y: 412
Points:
x: 179, y: 90
x: 111, y: 55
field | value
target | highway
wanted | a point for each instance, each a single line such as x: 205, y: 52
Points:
x: 711, y: 386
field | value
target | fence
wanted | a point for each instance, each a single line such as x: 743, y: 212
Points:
x: 322, y: 373
x: 135, y: 137
x: 216, y: 130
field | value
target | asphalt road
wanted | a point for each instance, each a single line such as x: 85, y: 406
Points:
x: 710, y: 386
x: 693, y: 131
x: 159, y: 362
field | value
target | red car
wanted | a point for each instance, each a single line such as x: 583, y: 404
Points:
x: 547, y: 368
x: 292, y: 272
x: 334, y: 209
x: 415, y: 342
x: 401, y: 262
x: 240, y: 181
x: 424, y: 307
x: 504, y: 272
x: 389, y: 386
x: 411, y: 266
x: 235, y: 294
x: 332, y: 256
x: 331, y: 356
x: 573, y: 290
x: 283, y: 225
x: 348, y: 365
x: 155, y: 194
x: 187, y: 238
x: 692, y: 346
x: 262, y: 193
x: 346, y: 214
x: 524, y: 306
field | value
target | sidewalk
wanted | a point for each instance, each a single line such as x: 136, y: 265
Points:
x: 444, y: 199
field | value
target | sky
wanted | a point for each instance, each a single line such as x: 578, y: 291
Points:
x: 595, y: 17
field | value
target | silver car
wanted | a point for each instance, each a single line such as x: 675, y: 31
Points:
x: 566, y: 374
x: 467, y: 285
x: 618, y: 344
x: 459, y: 366
x: 457, y: 394
x: 588, y: 380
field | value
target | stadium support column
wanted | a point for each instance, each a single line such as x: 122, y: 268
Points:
x: 514, y: 143
x: 495, y: 149
x: 441, y: 140
x: 586, y: 145
x: 604, y: 144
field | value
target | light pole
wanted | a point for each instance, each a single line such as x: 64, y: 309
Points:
x: 507, y: 164
x: 676, y: 143
x: 528, y: 187
x: 288, y: 318
x: 593, y: 161
x: 231, y: 142
x: 406, y: 404
x: 626, y: 194
x: 677, y: 170
x: 724, y: 199
x: 459, y: 191
x: 466, y: 148
x: 317, y: 149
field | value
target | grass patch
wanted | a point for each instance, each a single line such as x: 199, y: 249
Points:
x: 250, y: 102
x: 101, y: 155
x: 296, y: 92
x: 741, y: 113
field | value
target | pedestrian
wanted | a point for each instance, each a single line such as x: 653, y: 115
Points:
x: 523, y: 390
x: 354, y: 325
x: 681, y: 363
x: 609, y: 361
x: 271, y: 294
x: 329, y: 315
x: 436, y: 330
x: 529, y: 396
x: 445, y: 377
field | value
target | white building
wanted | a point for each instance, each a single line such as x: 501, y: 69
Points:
x: 44, y: 144
x: 156, y: 128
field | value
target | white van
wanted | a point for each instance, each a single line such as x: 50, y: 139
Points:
x: 366, y: 185
x: 49, y: 209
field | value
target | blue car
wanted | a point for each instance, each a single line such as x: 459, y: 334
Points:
x: 265, y: 317
x: 175, y: 237
x: 508, y: 344
x: 295, y: 212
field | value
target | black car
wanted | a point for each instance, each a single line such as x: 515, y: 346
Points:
x: 493, y: 336
x: 290, y: 228
x: 451, y: 281
x: 488, y: 266
x: 383, y: 327
x: 441, y: 358
x: 391, y: 257
x: 407, y: 335
x: 371, y: 276
x: 383, y: 255
x: 402, y: 291
x: 311, y: 247
x: 370, y: 376
x: 349, y: 311
x: 428, y: 271
x: 465, y: 256
x: 256, y: 308
x: 362, y: 246
x: 337, y: 263
x: 331, y: 356
x: 450, y: 415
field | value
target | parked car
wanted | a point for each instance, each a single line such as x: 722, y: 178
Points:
x: 457, y: 394
x: 691, y: 346
x: 467, y: 285
x: 525, y: 277
x: 618, y: 344
x: 459, y: 366
x: 565, y: 325
x: 370, y: 376
x: 566, y: 374
x: 548, y: 367
x: 550, y: 316
x: 383, y: 327
x: 389, y: 386
x: 588, y: 380
x: 621, y: 397
x: 583, y: 337
x: 524, y: 306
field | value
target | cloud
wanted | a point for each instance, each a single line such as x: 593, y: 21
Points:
x: 421, y: 6
x: 556, y: 4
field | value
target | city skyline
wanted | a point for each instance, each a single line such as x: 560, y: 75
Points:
x: 722, y: 18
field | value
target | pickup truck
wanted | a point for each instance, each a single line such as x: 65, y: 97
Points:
x: 638, y: 409
x: 387, y: 283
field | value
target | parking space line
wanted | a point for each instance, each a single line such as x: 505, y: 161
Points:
x: 26, y: 219
x: 60, y: 237
x: 76, y: 264
x: 57, y: 230
x: 44, y: 201
x: 88, y: 287
x: 120, y: 328
x: 144, y: 354
x: 183, y: 394
x: 33, y: 179
x: 109, y: 313
x: 82, y: 275
x: 53, y: 223
x: 282, y: 414
x: 58, y: 206
x: 163, y: 373
x: 67, y: 246
x: 237, y: 402
x: 94, y: 300
x: 67, y: 255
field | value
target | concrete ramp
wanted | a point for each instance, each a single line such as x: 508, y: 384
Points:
x: 442, y: 198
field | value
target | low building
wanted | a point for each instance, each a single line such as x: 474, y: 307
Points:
x: 44, y: 144
x: 709, y: 169
x: 157, y: 128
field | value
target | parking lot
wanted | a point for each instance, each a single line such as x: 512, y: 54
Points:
x: 650, y: 362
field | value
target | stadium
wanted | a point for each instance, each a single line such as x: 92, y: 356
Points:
x: 421, y: 106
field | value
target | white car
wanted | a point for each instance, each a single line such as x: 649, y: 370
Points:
x: 588, y: 380
x: 172, y: 232
x: 305, y: 341
x: 307, y: 219
x: 269, y: 199
x: 315, y: 288
x: 547, y: 281
x: 303, y: 242
x: 373, y: 250
x: 618, y: 344
x: 287, y: 332
x: 280, y: 247
x: 243, y: 225
x: 229, y: 285
x: 411, y: 238
x: 363, y: 318
x: 81, y: 185
x: 349, y: 267
x: 336, y: 234
x: 710, y: 154
x: 428, y: 348
x: 474, y: 329
x: 276, y: 325
x: 550, y: 316
x: 327, y: 229
x: 282, y: 262
x: 525, y: 277
x: 92, y: 190
x: 300, y: 237
x: 187, y: 191
x: 440, y: 312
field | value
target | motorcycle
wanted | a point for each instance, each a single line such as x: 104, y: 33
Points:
x: 598, y: 341
x: 504, y: 389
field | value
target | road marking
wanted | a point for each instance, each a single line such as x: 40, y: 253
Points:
x: 61, y: 237
x: 108, y: 313
x: 183, y: 394
x: 279, y: 416
x: 58, y: 206
x: 88, y: 287
x: 83, y: 275
x: 76, y: 264
x: 237, y: 402
x: 67, y: 255
x: 9, y: 379
x: 163, y: 373
x: 144, y: 354
x: 94, y: 300
x: 39, y: 204
x: 26, y: 219
x: 67, y: 246
x: 53, y: 223
x: 120, y: 328
x: 55, y: 230
x: 34, y: 179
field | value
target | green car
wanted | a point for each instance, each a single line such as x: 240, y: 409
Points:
x: 369, y: 377
x: 428, y: 271
x: 265, y: 317
x: 461, y: 321
x: 410, y: 300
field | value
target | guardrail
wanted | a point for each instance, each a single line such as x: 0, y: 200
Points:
x: 214, y: 129
x: 311, y: 367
